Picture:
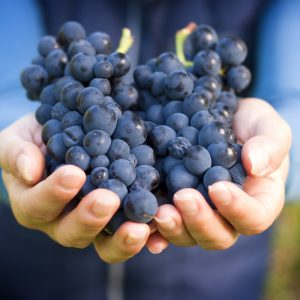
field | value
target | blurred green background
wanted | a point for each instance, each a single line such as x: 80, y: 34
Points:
x: 283, y: 282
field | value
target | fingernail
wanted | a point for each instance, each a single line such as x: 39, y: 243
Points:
x: 102, y: 208
x: 187, y: 204
x: 221, y: 193
x: 158, y: 249
x: 70, y: 180
x: 166, y: 223
x: 259, y: 161
x: 136, y: 236
x: 23, y: 165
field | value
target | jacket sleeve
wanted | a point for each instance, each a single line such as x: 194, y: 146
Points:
x: 278, y: 79
x: 20, y: 29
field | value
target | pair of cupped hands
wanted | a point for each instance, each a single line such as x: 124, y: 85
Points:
x: 39, y: 203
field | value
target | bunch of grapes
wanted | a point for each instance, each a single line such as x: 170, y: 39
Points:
x: 170, y: 129
x: 189, y: 108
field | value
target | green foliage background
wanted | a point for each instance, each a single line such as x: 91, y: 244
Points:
x: 283, y: 282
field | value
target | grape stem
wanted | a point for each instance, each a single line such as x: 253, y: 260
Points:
x: 180, y: 38
x: 126, y: 41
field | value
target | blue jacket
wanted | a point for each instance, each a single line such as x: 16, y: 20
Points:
x: 34, y: 267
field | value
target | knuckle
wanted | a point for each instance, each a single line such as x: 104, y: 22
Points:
x: 70, y: 242
x: 220, y: 244
x: 89, y: 225
x: 257, y: 229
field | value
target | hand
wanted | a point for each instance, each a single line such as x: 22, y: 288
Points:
x: 39, y: 203
x: 267, y: 139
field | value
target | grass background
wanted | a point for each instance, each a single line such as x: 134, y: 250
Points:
x: 283, y: 282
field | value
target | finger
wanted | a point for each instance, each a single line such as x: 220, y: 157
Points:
x: 81, y: 226
x: 46, y: 200
x: 169, y: 223
x: 207, y: 227
x: 156, y: 243
x: 267, y: 138
x: 22, y: 157
x: 127, y: 241
x: 251, y: 211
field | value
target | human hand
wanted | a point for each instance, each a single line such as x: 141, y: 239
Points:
x: 266, y: 139
x: 39, y: 203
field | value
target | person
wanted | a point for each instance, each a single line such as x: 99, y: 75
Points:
x: 33, y: 267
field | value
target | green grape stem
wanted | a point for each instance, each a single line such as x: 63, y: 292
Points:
x: 181, y: 36
x: 126, y: 41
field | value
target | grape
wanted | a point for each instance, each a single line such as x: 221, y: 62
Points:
x: 212, y: 132
x: 197, y: 160
x: 201, y: 118
x: 82, y: 67
x: 73, y: 136
x: 140, y: 206
x: 178, y: 147
x: 171, y: 108
x: 81, y: 46
x: 215, y: 174
x: 47, y: 95
x: 69, y: 93
x: 34, y: 78
x: 193, y: 103
x: 239, y: 77
x: 190, y: 133
x: 46, y: 44
x: 98, y: 175
x: 69, y: 32
x: 71, y: 118
x: 167, y: 63
x: 207, y: 62
x: 179, y: 178
x: 103, y: 69
x: 203, y: 37
x: 142, y: 76
x: 132, y: 130
x: 100, y: 117
x: 238, y: 173
x: 160, y: 137
x: 118, y: 149
x: 126, y: 96
x: 178, y: 85
x: 100, y: 161
x: 144, y: 155
x: 77, y: 156
x: 157, y: 83
x: 101, y: 42
x: 115, y: 186
x: 96, y: 142
x: 120, y: 62
x: 58, y: 111
x: 232, y: 50
x: 43, y: 113
x: 147, y: 178
x: 55, y: 62
x: 123, y: 170
x: 56, y: 147
x: 177, y: 121
x: 49, y: 129
x: 155, y: 114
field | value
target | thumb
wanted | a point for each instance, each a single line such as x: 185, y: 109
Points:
x: 264, y: 153
x: 21, y: 158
